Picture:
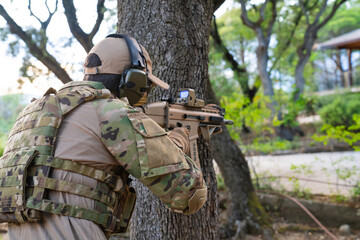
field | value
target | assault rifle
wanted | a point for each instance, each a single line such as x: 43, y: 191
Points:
x: 187, y: 111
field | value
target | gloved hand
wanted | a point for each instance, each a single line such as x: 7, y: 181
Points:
x: 180, y: 136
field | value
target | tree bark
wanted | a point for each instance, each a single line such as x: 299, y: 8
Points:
x: 262, y: 58
x: 176, y: 35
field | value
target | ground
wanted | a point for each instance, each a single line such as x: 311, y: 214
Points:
x: 287, y: 230
x: 284, y: 228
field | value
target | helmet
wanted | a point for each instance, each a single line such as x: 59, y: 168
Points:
x: 123, y: 55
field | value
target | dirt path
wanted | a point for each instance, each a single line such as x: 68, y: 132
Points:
x: 319, y: 173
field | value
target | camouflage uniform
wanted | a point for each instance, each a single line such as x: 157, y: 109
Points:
x: 105, y: 135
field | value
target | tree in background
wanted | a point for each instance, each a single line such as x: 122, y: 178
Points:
x: 262, y: 27
x: 316, y: 16
x: 232, y: 46
x: 232, y: 43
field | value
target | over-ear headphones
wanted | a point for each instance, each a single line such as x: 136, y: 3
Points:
x: 134, y: 81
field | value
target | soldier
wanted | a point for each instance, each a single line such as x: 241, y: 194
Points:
x: 66, y: 163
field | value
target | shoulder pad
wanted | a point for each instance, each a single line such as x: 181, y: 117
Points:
x: 75, y: 93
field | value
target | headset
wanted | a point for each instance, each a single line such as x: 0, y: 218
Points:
x: 134, y: 81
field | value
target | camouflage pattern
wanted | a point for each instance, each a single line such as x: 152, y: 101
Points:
x: 28, y: 159
x: 139, y: 145
x: 143, y: 149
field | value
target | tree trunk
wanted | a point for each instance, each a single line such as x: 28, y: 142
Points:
x: 304, y: 53
x: 299, y: 77
x: 262, y: 60
x: 176, y: 35
x: 243, y: 203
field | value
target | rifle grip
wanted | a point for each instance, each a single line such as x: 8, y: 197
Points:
x: 194, y: 152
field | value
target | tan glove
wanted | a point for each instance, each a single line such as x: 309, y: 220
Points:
x: 180, y: 136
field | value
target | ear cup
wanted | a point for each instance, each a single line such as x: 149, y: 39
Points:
x: 133, y: 85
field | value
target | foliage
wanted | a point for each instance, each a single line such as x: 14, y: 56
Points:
x: 239, y: 42
x: 348, y: 134
x: 254, y: 115
x: 290, y: 109
x: 345, y: 20
x: 257, y: 118
x: 270, y: 145
x: 10, y: 107
x: 340, y: 112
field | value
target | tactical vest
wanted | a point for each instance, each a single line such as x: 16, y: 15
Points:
x: 28, y: 160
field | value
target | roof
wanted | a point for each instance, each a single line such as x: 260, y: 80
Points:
x: 349, y: 40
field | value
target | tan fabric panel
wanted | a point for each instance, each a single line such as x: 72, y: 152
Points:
x: 79, y: 140
x: 162, y: 152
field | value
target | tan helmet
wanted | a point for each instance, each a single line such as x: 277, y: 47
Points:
x: 122, y: 54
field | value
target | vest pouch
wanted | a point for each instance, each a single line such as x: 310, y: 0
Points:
x: 122, y: 211
x: 13, y: 173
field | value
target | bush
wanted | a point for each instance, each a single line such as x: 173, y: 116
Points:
x: 341, y: 110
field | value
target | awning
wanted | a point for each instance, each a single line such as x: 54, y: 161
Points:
x: 349, y: 40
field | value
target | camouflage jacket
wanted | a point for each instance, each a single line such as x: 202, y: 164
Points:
x: 144, y: 150
x: 136, y: 142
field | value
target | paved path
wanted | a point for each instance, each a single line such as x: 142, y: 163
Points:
x: 332, y: 173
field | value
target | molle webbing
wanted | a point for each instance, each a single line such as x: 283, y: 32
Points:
x: 13, y: 181
x: 27, y: 163
x: 106, y: 198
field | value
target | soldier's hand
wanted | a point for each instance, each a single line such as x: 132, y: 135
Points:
x: 180, y: 136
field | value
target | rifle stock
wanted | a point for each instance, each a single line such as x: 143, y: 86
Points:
x: 190, y: 113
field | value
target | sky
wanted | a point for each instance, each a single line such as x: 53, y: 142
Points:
x: 57, y: 30
x: 9, y: 65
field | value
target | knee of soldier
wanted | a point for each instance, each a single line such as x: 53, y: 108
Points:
x: 197, y: 200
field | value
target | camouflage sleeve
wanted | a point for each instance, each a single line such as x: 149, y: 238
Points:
x: 143, y: 148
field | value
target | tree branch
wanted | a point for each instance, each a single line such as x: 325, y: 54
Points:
x: 227, y: 55
x: 292, y: 33
x: 40, y: 53
x: 245, y: 17
x: 100, y: 9
x: 321, y: 11
x: 262, y: 13
x: 272, y: 21
x: 84, y: 39
x: 331, y: 14
x: 304, y: 11
x: 234, y: 65
x: 44, y: 24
